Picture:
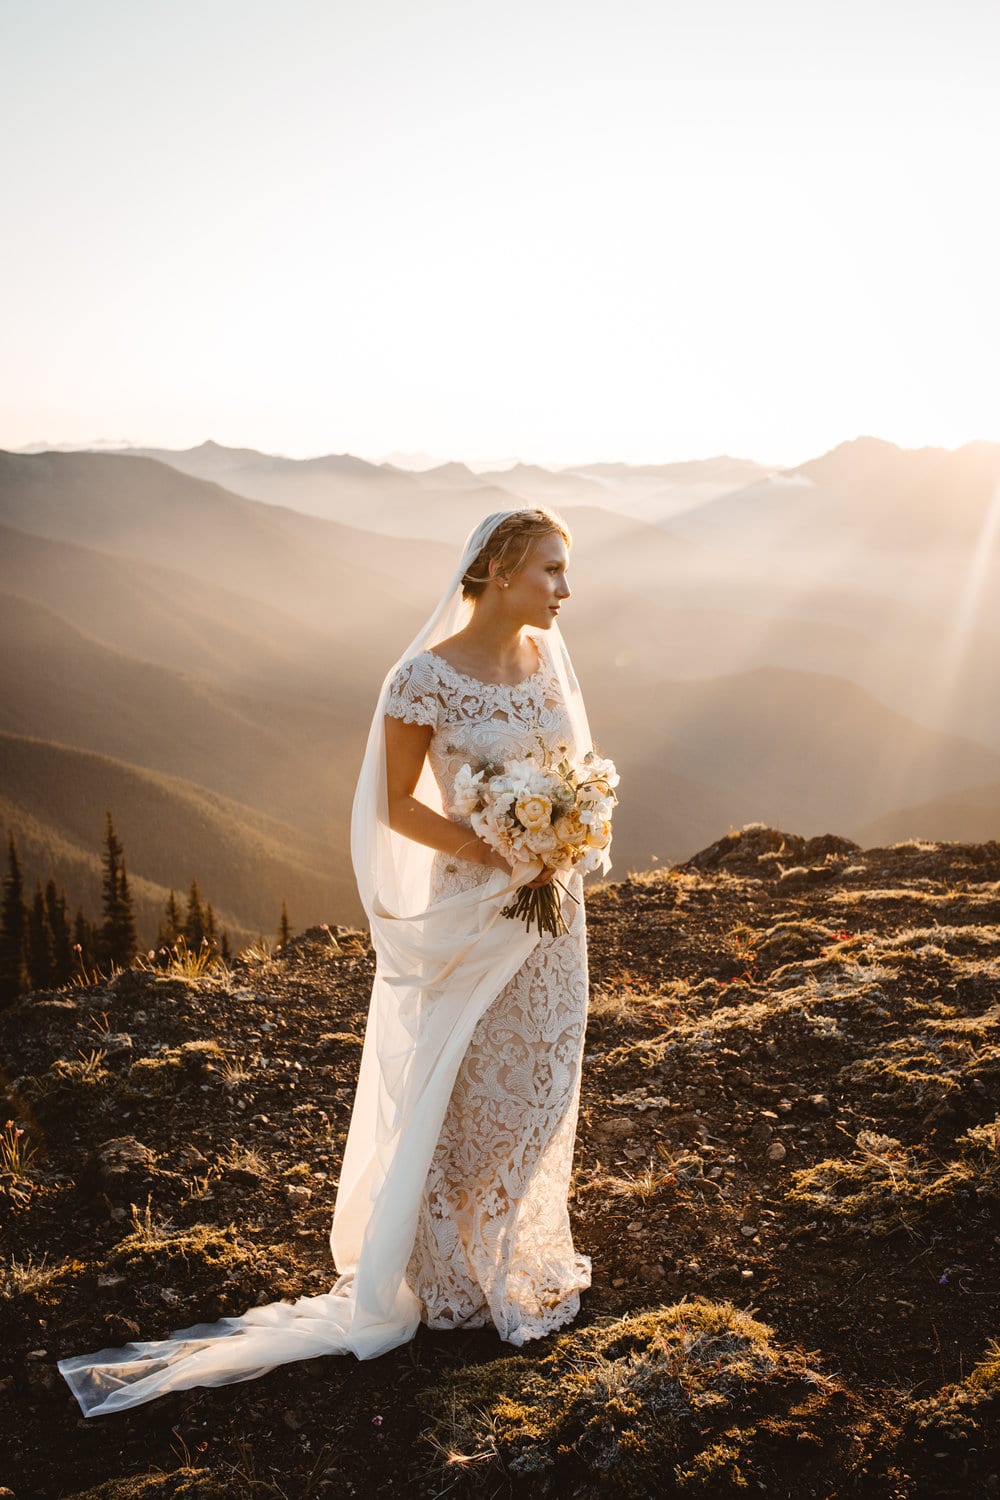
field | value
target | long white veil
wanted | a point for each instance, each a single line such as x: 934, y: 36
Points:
x: 438, y: 967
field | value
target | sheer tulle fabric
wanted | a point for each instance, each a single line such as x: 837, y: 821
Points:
x: 440, y: 963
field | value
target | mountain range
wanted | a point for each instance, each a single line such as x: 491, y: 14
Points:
x: 196, y: 639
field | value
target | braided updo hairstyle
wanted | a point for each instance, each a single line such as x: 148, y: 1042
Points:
x: 509, y: 544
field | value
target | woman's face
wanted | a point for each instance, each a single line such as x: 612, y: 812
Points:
x: 535, y: 592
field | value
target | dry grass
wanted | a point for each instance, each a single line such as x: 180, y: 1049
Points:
x: 30, y: 1276
x: 257, y: 953
x: 16, y: 1153
x: 924, y: 1069
x: 154, y: 1238
x: 233, y: 1070
x: 885, y: 1185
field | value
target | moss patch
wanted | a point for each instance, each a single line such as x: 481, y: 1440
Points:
x: 885, y: 1185
x: 638, y: 1406
x: 195, y: 1484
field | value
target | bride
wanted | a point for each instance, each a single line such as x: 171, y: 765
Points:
x: 452, y: 1205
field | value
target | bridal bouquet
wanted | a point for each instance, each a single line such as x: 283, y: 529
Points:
x: 541, y: 806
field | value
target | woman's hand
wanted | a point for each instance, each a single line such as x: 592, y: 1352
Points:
x: 486, y: 855
x: 483, y: 853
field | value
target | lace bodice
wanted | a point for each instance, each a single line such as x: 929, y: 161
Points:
x: 476, y: 721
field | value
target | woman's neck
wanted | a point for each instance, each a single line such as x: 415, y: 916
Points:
x: 493, y: 650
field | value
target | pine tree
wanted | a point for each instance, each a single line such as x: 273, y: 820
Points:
x: 226, y: 951
x: 62, y: 944
x: 13, y: 930
x: 169, y: 929
x: 117, y: 941
x: 127, y: 937
x: 211, y: 930
x: 84, y: 945
x: 284, y: 930
x: 194, y: 921
x: 41, y: 967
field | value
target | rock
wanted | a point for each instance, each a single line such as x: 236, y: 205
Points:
x: 116, y: 1165
x: 115, y: 1043
x: 820, y: 1103
x: 54, y: 1006
x: 122, y: 1330
x: 749, y: 1230
x: 616, y: 1128
x: 295, y: 1193
x: 776, y: 1152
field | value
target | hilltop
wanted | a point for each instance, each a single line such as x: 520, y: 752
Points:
x: 787, y: 1175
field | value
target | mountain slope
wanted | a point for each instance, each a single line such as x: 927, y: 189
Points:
x: 58, y: 684
x: 792, y: 749
x: 161, y: 614
x: 55, y: 799
x: 136, y: 507
x: 968, y: 816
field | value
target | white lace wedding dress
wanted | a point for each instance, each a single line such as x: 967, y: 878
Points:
x: 493, y: 1241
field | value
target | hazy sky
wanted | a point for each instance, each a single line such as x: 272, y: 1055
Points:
x: 647, y: 230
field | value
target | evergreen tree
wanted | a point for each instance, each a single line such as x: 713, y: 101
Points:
x: 284, y: 930
x: 226, y: 951
x: 13, y: 930
x: 117, y: 941
x: 41, y: 968
x: 84, y: 945
x: 194, y: 921
x: 127, y: 937
x: 211, y: 930
x: 169, y: 929
x: 62, y: 944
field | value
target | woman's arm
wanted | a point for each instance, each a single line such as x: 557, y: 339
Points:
x: 405, y: 751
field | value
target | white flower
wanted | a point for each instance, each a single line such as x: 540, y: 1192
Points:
x: 542, y: 840
x: 599, y: 835
x: 467, y: 791
x: 596, y: 768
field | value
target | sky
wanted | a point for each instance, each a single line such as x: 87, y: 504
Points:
x: 559, y: 230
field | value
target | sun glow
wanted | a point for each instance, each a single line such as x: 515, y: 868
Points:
x: 326, y: 229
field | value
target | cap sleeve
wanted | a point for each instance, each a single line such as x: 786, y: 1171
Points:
x: 413, y: 693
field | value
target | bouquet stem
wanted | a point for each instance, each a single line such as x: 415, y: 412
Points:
x: 539, y: 905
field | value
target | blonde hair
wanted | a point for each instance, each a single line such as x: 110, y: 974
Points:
x: 509, y: 544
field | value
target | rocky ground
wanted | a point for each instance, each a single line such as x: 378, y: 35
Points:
x: 787, y: 1177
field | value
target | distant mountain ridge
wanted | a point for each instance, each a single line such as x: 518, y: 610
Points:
x: 161, y: 620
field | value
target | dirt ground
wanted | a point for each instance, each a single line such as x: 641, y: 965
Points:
x: 790, y: 1095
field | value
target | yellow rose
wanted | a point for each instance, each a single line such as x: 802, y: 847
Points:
x: 569, y: 829
x: 533, y: 811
